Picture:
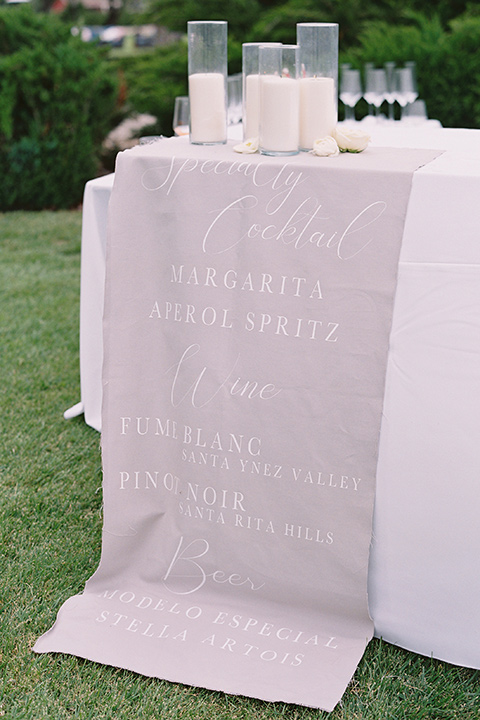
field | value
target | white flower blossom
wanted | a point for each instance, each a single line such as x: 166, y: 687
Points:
x: 351, y: 140
x: 325, y: 147
x: 248, y: 146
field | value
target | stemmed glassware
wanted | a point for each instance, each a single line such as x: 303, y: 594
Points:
x: 375, y: 88
x: 388, y: 84
x: 413, y: 70
x: 405, y: 87
x: 390, y: 94
x: 234, y: 90
x: 181, y: 113
x: 350, y: 91
x: 366, y: 69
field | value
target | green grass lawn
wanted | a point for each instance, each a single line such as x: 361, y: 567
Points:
x: 50, y: 525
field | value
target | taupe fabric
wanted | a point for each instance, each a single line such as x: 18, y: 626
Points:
x: 248, y: 310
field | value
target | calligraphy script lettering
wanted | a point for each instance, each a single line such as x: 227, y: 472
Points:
x: 184, y: 567
x: 302, y: 226
x: 200, y: 390
x: 299, y: 230
x: 282, y: 181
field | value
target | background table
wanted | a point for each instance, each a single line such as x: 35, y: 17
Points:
x: 424, y: 579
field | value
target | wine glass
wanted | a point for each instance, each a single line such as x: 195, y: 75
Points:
x: 405, y: 87
x: 416, y: 112
x: 390, y: 94
x: 181, y: 112
x: 350, y: 91
x: 366, y: 69
x: 375, y: 88
x: 412, y: 65
x: 234, y: 88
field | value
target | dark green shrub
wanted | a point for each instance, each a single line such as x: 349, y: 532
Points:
x: 278, y: 24
x: 57, y: 101
x: 174, y: 14
x: 154, y: 79
x: 448, y: 62
x: 457, y: 89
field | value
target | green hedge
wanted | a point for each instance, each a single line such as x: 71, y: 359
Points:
x: 57, y: 94
x: 447, y: 58
x: 448, y: 62
x: 154, y: 79
x: 57, y: 103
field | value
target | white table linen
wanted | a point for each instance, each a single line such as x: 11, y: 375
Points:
x: 424, y: 579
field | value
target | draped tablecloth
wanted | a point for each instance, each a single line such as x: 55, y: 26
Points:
x: 248, y: 313
x: 424, y: 583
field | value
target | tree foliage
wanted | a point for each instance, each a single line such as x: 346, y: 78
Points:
x: 442, y: 36
x: 174, y: 14
x: 153, y: 80
x: 56, y: 106
x: 278, y: 23
x: 57, y: 94
x: 447, y: 60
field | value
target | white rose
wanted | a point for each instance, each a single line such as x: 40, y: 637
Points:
x: 249, y: 146
x: 350, y: 140
x: 325, y: 147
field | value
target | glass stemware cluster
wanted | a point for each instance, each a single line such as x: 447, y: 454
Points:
x: 388, y: 84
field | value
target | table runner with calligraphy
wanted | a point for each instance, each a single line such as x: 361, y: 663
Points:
x: 248, y: 310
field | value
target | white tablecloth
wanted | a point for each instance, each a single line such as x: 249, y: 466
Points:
x: 424, y: 579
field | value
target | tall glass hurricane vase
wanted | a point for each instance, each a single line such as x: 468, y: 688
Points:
x: 318, y: 77
x: 279, y: 100
x: 251, y: 88
x: 207, y: 81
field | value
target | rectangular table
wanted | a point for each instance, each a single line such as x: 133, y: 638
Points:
x: 424, y: 582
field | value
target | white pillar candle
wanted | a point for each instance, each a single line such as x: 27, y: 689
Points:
x: 252, y: 106
x: 317, y: 109
x: 279, y: 116
x: 208, y: 114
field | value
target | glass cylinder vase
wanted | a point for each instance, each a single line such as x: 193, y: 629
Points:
x: 207, y: 81
x: 318, y: 79
x: 279, y: 100
x: 251, y: 88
